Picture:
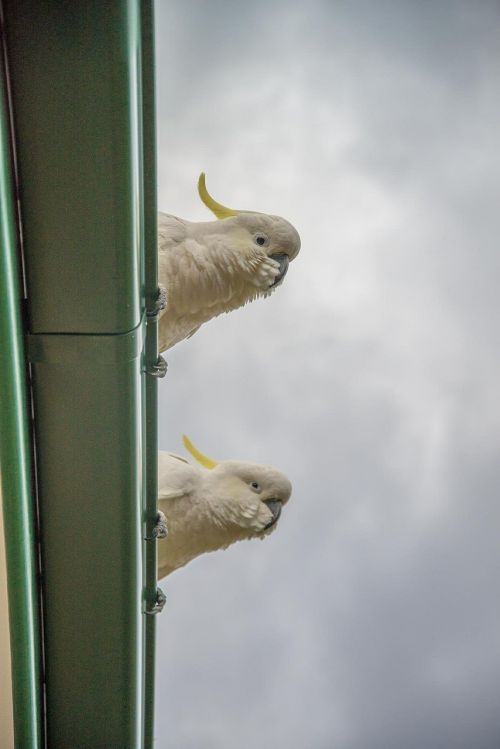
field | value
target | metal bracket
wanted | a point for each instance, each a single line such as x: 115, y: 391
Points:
x: 160, y: 530
x: 159, y: 604
x: 160, y: 303
x: 158, y: 369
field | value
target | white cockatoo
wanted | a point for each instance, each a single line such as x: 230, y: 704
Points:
x: 210, y: 508
x: 212, y: 267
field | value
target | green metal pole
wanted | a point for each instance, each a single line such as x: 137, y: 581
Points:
x: 77, y: 74
x: 15, y: 460
x: 151, y: 357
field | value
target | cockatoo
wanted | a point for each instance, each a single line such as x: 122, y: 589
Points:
x: 212, y: 267
x: 210, y: 508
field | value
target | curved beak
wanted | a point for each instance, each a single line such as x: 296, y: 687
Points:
x: 275, y: 506
x: 284, y: 262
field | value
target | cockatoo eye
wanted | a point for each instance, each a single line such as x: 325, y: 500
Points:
x: 255, y: 486
x: 260, y: 239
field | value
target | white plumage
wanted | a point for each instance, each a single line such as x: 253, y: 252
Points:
x: 213, y: 507
x: 217, y: 266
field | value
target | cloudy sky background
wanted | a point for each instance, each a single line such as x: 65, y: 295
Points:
x: 370, y: 619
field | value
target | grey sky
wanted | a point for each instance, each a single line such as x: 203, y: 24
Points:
x: 369, y: 620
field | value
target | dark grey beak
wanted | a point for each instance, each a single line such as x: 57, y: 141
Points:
x: 284, y: 262
x: 275, y: 506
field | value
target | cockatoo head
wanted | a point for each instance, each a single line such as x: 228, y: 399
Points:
x: 263, y: 245
x: 246, y: 498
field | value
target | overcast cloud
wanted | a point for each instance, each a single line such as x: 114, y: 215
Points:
x: 369, y: 620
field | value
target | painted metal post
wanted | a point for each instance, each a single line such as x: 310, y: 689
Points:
x: 151, y: 356
x: 15, y: 464
x: 82, y: 100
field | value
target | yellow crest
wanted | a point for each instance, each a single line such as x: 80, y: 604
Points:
x: 202, y: 459
x: 219, y: 210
